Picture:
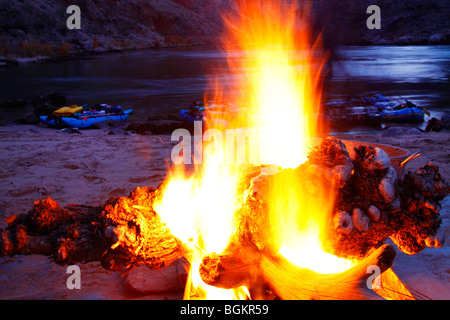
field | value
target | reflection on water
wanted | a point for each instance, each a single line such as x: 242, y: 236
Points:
x: 165, y: 80
x: 418, y: 73
x: 412, y: 64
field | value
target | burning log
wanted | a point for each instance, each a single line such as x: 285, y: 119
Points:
x: 290, y: 282
x: 68, y: 235
x: 372, y: 202
x: 124, y: 233
x: 419, y: 227
x: 236, y: 267
x: 139, y: 235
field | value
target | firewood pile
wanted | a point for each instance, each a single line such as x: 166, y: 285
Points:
x: 373, y: 203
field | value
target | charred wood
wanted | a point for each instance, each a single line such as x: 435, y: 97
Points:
x: 124, y: 233
x: 289, y: 281
x: 372, y: 203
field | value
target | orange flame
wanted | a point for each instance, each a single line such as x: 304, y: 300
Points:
x: 281, y: 89
x: 199, y: 211
x: 279, y: 94
x: 282, y: 94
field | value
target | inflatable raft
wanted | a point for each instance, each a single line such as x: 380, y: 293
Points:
x: 374, y: 110
x: 403, y: 115
x: 76, y: 118
x: 86, y: 121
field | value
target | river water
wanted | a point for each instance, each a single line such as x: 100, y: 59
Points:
x: 163, y: 81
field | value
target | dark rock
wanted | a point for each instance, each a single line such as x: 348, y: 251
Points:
x: 29, y: 118
x: 434, y: 125
x: 107, y: 26
x: 83, y: 41
x: 400, y: 131
x: 374, y: 213
x: 446, y: 121
x: 114, y: 25
x: 436, y: 38
x: 360, y: 220
x: 44, y: 108
x: 145, y: 280
x: 45, y: 105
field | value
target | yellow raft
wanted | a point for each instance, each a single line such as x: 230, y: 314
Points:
x: 67, y: 111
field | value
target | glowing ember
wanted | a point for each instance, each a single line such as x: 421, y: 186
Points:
x: 312, y: 256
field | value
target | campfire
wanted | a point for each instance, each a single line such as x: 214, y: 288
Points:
x: 306, y: 218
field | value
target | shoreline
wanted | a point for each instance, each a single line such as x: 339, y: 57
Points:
x: 86, y: 55
x: 17, y: 60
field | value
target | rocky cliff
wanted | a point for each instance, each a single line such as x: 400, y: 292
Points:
x: 402, y: 22
x: 38, y: 27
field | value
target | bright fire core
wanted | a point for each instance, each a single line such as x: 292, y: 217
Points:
x: 281, y: 91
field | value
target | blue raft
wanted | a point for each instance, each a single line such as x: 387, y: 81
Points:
x: 52, y: 121
x: 412, y: 114
x: 85, y: 119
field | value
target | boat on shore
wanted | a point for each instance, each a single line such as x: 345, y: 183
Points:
x: 412, y: 114
x: 75, y: 117
x: 216, y: 115
x: 374, y: 110
x: 85, y: 121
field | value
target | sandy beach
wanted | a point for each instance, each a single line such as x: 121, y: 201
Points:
x: 91, y: 167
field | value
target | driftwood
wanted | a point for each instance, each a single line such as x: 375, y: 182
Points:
x: 234, y: 268
x: 371, y: 202
x: 125, y: 232
x: 69, y: 235
x: 287, y: 281
x: 139, y: 236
